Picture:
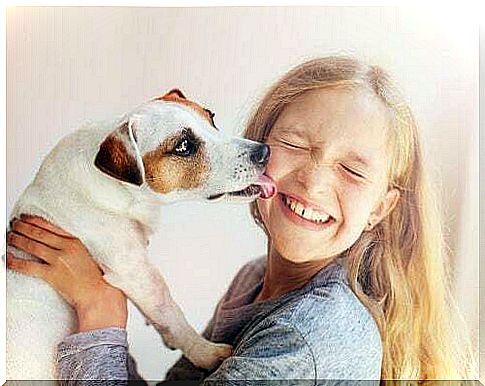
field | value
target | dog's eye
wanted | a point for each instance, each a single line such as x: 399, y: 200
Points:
x: 185, y: 147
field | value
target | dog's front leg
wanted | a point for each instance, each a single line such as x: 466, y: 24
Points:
x: 145, y: 286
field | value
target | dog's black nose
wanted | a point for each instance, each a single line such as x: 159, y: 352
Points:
x: 260, y: 155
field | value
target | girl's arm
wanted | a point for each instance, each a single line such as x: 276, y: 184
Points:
x: 69, y: 268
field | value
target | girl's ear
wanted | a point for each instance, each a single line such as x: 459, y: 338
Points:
x: 385, y: 207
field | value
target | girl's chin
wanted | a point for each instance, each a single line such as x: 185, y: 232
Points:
x: 296, y: 249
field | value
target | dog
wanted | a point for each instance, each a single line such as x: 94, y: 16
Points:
x: 106, y: 184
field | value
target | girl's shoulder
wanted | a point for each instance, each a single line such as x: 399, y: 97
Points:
x: 334, y: 311
x: 326, y: 299
x: 323, y: 322
x: 330, y: 309
x: 325, y: 305
x: 337, y: 328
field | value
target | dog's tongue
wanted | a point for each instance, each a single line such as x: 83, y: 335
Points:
x: 268, y: 187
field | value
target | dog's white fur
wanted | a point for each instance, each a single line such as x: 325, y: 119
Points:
x: 114, y: 220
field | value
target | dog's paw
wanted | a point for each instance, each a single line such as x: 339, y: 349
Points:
x: 208, y: 355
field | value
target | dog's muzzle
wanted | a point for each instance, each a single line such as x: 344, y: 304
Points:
x: 263, y: 186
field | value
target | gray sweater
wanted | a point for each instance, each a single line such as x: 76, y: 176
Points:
x: 318, y: 332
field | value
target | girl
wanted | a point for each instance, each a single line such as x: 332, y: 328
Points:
x: 354, y: 284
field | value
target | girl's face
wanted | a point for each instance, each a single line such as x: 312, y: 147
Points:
x: 329, y: 160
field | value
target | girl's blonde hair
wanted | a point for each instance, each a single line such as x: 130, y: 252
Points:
x: 399, y: 270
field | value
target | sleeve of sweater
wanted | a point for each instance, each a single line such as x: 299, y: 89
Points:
x: 96, y: 355
x: 103, y: 355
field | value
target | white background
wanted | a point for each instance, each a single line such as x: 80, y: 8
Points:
x: 68, y: 65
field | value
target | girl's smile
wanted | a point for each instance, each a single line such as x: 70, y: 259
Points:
x: 303, y: 214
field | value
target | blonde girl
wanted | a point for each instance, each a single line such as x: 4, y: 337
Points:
x: 399, y: 269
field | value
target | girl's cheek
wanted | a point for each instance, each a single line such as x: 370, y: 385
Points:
x: 263, y: 208
x: 279, y: 163
x: 357, y: 206
x: 273, y: 164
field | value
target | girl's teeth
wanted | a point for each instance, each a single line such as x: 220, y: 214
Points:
x: 299, y: 209
x: 309, y: 215
x: 306, y: 213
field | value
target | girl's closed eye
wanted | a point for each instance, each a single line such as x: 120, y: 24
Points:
x: 291, y: 144
x: 354, y: 172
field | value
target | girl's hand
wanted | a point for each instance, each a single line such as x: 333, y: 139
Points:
x: 70, y: 269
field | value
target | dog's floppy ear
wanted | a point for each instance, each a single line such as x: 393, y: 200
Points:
x: 119, y: 157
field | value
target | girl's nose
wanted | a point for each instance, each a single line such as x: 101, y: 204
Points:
x: 316, y: 179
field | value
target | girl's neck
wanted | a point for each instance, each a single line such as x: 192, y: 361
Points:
x: 283, y: 275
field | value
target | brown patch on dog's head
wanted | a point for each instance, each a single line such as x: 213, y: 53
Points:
x: 167, y: 170
x: 175, y: 92
x: 175, y: 95
x: 116, y: 158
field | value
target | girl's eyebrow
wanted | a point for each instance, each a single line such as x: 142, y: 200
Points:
x: 355, y: 157
x: 288, y: 130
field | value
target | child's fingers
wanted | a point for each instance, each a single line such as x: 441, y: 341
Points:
x: 36, y: 233
x: 28, y: 267
x: 33, y: 247
x: 40, y: 222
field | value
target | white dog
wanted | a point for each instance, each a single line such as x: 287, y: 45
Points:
x: 105, y: 185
